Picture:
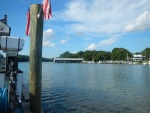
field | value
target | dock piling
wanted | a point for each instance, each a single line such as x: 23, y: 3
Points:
x: 36, y: 39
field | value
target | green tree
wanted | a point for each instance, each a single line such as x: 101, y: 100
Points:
x: 65, y: 55
x: 146, y: 53
x: 102, y: 56
x: 80, y: 54
x: 25, y: 58
x: 88, y: 55
x: 116, y: 54
x: 73, y: 55
x: 120, y: 54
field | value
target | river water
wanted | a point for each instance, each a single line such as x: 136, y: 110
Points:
x: 93, y: 88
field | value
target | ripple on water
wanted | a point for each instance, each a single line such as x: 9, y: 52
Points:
x: 94, y: 88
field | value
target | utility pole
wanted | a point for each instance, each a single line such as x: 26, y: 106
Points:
x: 36, y: 39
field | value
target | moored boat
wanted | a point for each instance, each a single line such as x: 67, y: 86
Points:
x: 11, y: 77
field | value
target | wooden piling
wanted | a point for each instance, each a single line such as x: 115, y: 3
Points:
x: 36, y: 38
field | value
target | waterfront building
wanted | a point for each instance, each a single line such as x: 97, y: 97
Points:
x: 138, y: 57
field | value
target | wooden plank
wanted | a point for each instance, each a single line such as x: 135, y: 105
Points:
x: 25, y: 93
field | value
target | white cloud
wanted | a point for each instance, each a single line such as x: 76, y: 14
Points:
x: 63, y: 41
x: 91, y: 47
x: 80, y: 33
x: 103, y: 16
x: 48, y: 44
x: 108, y: 41
x: 87, y: 38
x: 140, y: 23
x: 47, y: 34
x: 105, y: 42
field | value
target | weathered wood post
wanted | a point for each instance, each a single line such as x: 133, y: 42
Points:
x: 36, y: 38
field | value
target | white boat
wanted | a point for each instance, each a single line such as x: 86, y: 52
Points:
x: 11, y: 78
x: 144, y: 63
x: 91, y: 62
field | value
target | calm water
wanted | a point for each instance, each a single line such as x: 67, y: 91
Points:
x: 94, y: 88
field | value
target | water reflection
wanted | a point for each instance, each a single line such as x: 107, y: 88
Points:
x: 94, y: 88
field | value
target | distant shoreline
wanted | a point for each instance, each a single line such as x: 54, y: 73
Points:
x: 25, y: 58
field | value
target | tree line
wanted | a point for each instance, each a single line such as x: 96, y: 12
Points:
x: 25, y: 58
x: 116, y: 54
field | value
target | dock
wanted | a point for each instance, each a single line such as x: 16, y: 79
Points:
x: 25, y: 102
x: 68, y: 60
x: 25, y: 93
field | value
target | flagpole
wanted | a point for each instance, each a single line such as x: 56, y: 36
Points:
x: 36, y: 39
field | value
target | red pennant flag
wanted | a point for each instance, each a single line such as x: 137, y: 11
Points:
x: 28, y: 23
x: 47, y: 9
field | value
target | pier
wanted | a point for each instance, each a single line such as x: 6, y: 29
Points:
x: 68, y: 60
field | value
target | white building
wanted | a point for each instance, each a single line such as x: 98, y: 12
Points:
x: 138, y: 57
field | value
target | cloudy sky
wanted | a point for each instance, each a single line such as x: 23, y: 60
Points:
x: 80, y: 25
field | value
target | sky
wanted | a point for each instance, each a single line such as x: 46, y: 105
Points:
x: 80, y: 25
